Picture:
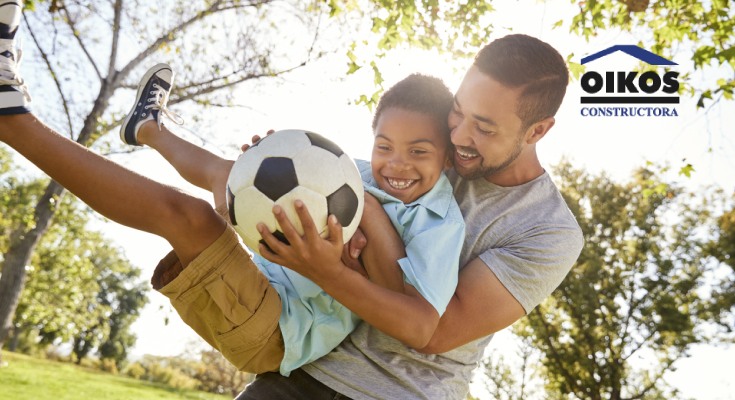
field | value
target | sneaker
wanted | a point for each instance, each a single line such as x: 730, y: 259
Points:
x: 150, y: 103
x: 14, y: 95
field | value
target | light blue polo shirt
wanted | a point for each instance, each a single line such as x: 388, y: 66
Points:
x: 313, y: 323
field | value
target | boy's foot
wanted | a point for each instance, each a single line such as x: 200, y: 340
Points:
x: 150, y: 103
x: 14, y: 96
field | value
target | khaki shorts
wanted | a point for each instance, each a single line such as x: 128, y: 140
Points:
x: 227, y: 301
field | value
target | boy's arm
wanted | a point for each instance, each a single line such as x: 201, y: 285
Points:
x: 430, y: 261
x: 412, y: 319
x: 384, y: 247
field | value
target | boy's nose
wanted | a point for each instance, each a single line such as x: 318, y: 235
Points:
x: 399, y: 164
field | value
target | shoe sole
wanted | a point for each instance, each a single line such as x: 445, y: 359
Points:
x: 5, y: 32
x: 146, y: 77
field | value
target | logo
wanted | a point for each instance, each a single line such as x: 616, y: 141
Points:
x: 626, y: 93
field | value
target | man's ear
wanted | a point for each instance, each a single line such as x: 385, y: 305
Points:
x: 539, y: 129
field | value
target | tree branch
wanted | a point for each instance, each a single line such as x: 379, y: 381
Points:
x: 214, y: 88
x: 546, y: 337
x: 54, y: 76
x: 168, y: 36
x: 75, y: 33
x: 115, y: 38
x: 655, y: 379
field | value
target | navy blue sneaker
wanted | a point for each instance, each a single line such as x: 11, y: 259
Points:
x: 150, y: 103
x: 14, y: 96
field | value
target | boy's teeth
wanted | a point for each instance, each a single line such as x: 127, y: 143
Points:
x: 400, y: 183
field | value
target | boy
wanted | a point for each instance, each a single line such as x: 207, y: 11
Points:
x: 409, y: 154
x: 217, y: 275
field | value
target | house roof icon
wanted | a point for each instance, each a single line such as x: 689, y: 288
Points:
x: 631, y: 50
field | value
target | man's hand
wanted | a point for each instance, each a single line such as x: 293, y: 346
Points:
x: 253, y: 140
x: 352, y: 250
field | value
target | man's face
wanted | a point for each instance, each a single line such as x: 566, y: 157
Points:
x: 486, y: 130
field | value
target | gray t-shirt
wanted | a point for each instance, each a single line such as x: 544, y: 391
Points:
x: 525, y: 234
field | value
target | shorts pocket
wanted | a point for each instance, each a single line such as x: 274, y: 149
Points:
x: 254, y: 331
x: 228, y: 301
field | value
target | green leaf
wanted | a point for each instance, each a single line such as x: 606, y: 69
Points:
x: 687, y: 170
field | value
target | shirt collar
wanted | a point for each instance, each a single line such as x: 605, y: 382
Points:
x: 436, y: 200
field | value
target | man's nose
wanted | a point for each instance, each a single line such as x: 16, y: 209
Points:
x: 460, y: 135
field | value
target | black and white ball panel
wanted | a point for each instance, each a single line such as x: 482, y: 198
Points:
x: 326, y: 144
x: 291, y: 165
x: 276, y: 176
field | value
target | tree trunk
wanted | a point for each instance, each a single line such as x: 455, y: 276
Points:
x: 22, y: 245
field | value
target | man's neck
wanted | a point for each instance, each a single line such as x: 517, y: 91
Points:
x: 518, y: 173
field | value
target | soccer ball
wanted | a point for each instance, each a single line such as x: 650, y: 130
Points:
x: 289, y: 165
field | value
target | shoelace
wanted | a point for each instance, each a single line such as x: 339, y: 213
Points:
x: 159, y: 99
x: 8, y: 70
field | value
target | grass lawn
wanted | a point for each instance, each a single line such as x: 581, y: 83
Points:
x: 31, y: 378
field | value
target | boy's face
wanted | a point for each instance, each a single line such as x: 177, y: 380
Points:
x: 409, y: 153
x: 486, y: 131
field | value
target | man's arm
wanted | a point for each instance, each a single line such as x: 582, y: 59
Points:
x: 481, y: 305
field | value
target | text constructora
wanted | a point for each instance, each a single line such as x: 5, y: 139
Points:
x: 629, y: 112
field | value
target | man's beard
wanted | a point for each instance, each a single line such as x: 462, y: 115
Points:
x: 484, y: 171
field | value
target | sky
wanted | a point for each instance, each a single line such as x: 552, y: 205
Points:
x: 318, y: 97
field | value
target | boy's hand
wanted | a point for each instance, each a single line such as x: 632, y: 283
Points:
x: 313, y: 257
x: 253, y: 140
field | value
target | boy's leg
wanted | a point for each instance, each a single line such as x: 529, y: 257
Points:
x: 188, y: 223
x: 195, y: 164
x: 143, y: 126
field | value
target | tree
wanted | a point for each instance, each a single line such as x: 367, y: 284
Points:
x: 504, y: 381
x: 723, y: 248
x: 217, y: 375
x: 86, y: 44
x: 644, y: 286
x: 122, y: 296
x: 457, y: 28
x: 81, y: 286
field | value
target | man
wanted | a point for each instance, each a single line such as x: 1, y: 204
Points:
x: 521, y: 240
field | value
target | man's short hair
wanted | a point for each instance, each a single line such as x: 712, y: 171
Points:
x: 419, y: 93
x: 522, y: 61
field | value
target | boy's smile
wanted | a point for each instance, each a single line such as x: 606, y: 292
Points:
x: 409, y: 153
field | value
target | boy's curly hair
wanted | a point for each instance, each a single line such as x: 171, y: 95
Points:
x: 420, y: 93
